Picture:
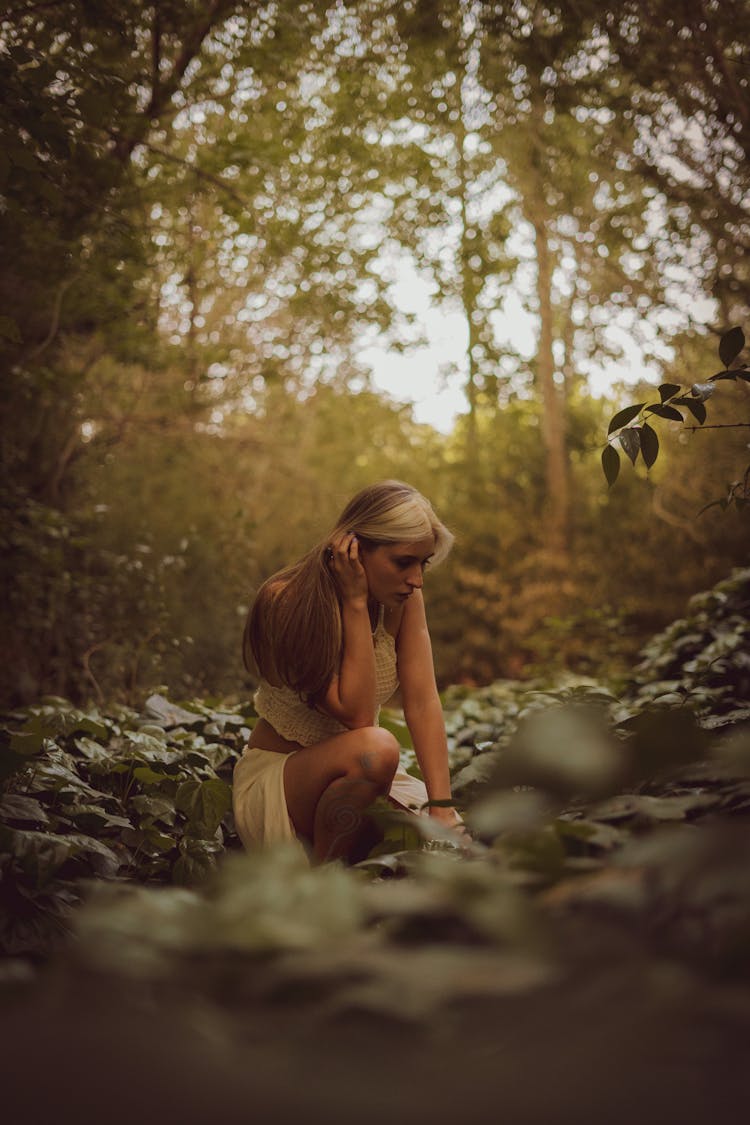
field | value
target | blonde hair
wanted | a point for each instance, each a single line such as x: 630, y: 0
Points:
x: 293, y: 632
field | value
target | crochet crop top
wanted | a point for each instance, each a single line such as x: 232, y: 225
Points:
x: 296, y: 721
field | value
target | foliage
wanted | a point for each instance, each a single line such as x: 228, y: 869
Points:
x: 202, y: 210
x: 703, y: 659
x: 118, y: 796
x: 566, y: 787
x: 639, y: 436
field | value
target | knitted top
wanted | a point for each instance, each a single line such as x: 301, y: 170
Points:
x: 296, y: 721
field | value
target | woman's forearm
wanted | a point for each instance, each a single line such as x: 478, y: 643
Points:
x: 427, y: 728
x: 356, y: 679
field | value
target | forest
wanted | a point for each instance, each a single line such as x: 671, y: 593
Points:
x: 207, y: 213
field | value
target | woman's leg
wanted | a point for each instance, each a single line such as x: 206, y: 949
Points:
x: 328, y: 787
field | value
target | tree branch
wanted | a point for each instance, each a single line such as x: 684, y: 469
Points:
x: 162, y: 92
x: 62, y: 289
x: 199, y: 172
x: 27, y: 9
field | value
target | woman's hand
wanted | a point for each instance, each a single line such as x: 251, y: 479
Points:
x: 449, y: 818
x: 346, y: 565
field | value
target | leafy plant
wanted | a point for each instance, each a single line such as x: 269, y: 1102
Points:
x: 631, y: 427
x: 116, y: 795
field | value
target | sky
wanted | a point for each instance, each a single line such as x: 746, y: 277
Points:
x: 420, y: 375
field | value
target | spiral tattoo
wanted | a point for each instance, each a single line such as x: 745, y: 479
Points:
x: 342, y: 819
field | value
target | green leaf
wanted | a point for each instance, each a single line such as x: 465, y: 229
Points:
x: 150, y: 840
x: 197, y: 860
x: 397, y: 727
x: 622, y: 417
x: 668, y: 390
x: 730, y: 345
x: 204, y: 803
x: 15, y: 808
x: 611, y: 464
x: 665, y: 412
x: 630, y: 440
x: 702, y: 391
x: 147, y: 776
x: 39, y: 854
x: 649, y: 445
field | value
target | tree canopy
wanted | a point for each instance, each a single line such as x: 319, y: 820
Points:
x: 204, y: 210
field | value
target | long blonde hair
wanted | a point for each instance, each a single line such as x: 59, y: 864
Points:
x: 293, y: 631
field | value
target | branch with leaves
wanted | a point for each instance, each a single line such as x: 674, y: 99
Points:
x: 631, y: 428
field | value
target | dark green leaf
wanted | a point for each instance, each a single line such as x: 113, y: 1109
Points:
x: 702, y: 391
x: 730, y: 345
x: 630, y: 440
x: 611, y: 464
x: 147, y: 776
x: 668, y: 390
x: 649, y: 444
x: 622, y: 417
x: 665, y: 412
x: 696, y: 408
x: 15, y: 808
x: 204, y: 803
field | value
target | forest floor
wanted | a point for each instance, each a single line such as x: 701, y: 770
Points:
x: 587, y: 960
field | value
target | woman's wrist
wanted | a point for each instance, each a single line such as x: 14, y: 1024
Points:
x: 355, y: 601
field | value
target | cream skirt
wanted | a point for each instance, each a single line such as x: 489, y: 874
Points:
x: 259, y: 804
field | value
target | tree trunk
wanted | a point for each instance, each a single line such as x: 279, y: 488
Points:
x: 553, y: 402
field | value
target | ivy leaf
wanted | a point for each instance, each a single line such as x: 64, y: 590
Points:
x: 649, y: 444
x: 702, y: 391
x: 611, y: 464
x: 668, y: 390
x: 630, y: 440
x: 665, y: 412
x: 204, y: 803
x: 730, y: 345
x: 622, y: 417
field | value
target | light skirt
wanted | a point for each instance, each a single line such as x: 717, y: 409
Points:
x: 259, y: 804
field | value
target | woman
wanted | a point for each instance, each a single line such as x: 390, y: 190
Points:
x: 332, y: 637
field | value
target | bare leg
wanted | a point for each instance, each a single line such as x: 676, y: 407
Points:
x: 328, y: 787
x: 340, y: 819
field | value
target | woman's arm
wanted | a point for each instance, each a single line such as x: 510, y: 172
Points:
x: 350, y: 696
x: 422, y: 709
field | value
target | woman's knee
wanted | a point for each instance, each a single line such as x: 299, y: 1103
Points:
x: 377, y: 755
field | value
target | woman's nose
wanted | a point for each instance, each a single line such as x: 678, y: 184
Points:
x: 415, y: 579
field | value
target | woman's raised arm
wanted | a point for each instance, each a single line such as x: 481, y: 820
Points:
x: 350, y: 697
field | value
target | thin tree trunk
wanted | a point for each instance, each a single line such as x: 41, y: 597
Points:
x: 553, y: 403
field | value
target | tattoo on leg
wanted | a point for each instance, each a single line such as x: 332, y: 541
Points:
x: 342, y: 819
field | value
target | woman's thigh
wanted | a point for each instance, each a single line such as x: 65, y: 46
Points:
x: 370, y: 754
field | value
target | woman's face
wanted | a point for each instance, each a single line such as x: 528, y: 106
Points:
x: 395, y: 570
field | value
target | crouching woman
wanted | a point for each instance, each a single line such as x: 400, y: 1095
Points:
x: 331, y: 638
